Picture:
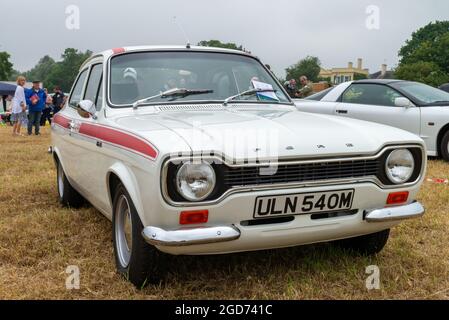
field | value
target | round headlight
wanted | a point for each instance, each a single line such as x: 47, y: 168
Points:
x: 400, y: 166
x: 195, y: 181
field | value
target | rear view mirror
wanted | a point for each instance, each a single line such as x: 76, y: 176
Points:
x: 403, y: 102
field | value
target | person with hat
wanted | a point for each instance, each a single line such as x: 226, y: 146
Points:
x: 36, y: 99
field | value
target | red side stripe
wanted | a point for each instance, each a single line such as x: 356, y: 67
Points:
x: 119, y: 138
x: 62, y: 121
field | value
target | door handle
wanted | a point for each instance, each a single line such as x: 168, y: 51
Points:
x: 342, y: 111
x: 72, y: 125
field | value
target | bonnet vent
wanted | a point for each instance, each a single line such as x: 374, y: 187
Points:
x: 192, y: 107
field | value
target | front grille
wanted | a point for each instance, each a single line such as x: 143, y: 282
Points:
x: 320, y: 172
x: 291, y: 173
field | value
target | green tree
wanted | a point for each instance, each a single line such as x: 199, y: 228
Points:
x: 427, y: 49
x: 5, y: 66
x: 425, y: 72
x: 219, y: 44
x: 360, y: 76
x: 309, y: 66
x: 14, y: 74
x: 64, y: 72
x: 41, y: 70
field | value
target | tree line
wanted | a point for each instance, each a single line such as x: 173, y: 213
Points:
x: 424, y: 58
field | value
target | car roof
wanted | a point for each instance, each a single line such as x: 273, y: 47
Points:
x: 378, y: 81
x: 123, y: 50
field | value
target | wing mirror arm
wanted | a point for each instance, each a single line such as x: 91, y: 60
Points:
x: 86, y: 109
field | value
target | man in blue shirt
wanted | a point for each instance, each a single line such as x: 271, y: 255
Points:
x: 35, y: 98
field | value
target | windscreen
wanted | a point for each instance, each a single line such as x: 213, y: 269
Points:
x: 140, y: 75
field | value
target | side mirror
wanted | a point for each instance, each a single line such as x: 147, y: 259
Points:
x: 403, y: 102
x: 86, y: 109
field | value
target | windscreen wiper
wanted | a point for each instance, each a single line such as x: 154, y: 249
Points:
x: 246, y: 93
x: 172, y: 93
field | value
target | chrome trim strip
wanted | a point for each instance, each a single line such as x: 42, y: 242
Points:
x: 414, y: 210
x: 186, y: 237
x: 253, y: 188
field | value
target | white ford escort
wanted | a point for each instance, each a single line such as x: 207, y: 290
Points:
x: 192, y: 151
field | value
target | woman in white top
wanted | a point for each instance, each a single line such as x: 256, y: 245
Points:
x: 18, y: 110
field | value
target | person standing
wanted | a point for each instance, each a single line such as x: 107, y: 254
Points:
x: 36, y: 99
x: 291, y: 88
x: 307, y: 87
x: 3, y: 98
x: 58, y: 100
x: 18, y: 110
x: 46, y: 113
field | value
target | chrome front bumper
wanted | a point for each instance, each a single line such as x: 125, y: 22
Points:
x: 410, y: 211
x: 195, y: 236
x: 185, y: 237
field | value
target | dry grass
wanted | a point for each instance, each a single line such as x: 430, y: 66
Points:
x: 39, y: 239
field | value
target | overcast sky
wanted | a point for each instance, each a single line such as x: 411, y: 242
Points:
x: 279, y: 32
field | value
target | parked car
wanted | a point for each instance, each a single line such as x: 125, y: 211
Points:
x: 445, y: 87
x: 176, y: 175
x: 415, y: 107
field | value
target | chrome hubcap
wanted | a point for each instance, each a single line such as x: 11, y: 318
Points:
x: 60, y: 181
x: 123, y: 231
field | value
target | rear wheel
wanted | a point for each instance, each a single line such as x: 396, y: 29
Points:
x: 68, y: 196
x: 445, y: 146
x: 135, y: 259
x: 369, y: 244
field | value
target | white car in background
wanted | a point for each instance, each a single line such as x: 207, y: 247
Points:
x: 175, y: 173
x: 411, y: 106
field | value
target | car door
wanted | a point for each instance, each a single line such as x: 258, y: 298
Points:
x: 376, y: 103
x: 64, y: 119
x: 92, y: 163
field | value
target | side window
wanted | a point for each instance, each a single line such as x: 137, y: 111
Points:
x: 75, y: 98
x: 93, y: 85
x: 370, y: 94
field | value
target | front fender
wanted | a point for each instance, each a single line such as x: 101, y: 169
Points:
x: 56, y: 153
x: 129, y: 181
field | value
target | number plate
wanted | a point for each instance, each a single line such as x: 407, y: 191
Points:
x: 303, y: 203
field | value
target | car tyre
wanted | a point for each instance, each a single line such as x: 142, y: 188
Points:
x: 369, y: 244
x: 136, y: 260
x: 445, y: 146
x: 68, y: 196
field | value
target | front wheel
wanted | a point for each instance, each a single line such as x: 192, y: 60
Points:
x: 68, y: 196
x: 135, y: 259
x: 445, y: 146
x: 369, y: 244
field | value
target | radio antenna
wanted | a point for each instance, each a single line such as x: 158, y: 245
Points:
x: 182, y: 31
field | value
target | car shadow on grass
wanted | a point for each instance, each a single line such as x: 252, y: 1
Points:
x: 268, y: 268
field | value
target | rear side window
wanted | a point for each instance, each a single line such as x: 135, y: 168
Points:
x: 93, y: 85
x: 371, y: 94
x: 77, y: 91
x: 320, y: 95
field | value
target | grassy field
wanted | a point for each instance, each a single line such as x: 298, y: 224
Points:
x: 39, y: 240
